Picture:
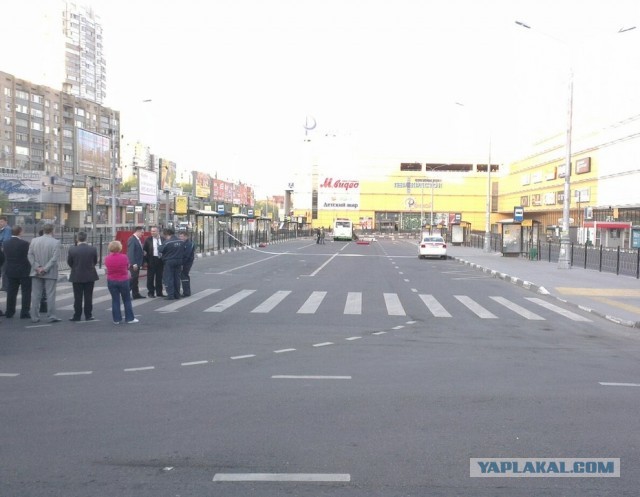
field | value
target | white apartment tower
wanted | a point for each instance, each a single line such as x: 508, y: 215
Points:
x: 85, y: 66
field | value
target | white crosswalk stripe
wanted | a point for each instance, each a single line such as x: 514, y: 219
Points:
x: 312, y: 303
x: 269, y: 304
x: 563, y: 312
x: 434, y: 306
x: 177, y: 304
x: 394, y: 307
x: 525, y: 313
x: 476, y: 308
x: 354, y: 303
x: 228, y: 302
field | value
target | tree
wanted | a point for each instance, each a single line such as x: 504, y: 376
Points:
x: 128, y: 185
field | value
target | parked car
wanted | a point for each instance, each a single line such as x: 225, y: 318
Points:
x: 432, y: 246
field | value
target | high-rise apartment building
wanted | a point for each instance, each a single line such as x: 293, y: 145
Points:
x: 85, y: 65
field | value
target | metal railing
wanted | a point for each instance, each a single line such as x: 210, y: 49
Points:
x: 621, y: 261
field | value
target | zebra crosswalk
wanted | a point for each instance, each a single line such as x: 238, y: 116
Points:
x: 352, y: 304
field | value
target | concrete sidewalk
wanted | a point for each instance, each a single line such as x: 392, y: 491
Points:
x: 616, y: 298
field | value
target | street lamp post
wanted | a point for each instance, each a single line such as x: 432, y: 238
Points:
x: 564, y: 260
x: 487, y: 221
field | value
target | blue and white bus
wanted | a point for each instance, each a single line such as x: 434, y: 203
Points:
x: 343, y: 229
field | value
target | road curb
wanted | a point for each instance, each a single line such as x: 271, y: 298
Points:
x: 543, y: 291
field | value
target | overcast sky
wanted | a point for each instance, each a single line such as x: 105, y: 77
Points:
x: 232, y: 81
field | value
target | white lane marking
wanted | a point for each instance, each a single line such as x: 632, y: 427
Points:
x: 312, y: 303
x: 193, y: 363
x: 72, y: 373
x: 400, y: 272
x: 327, y: 262
x: 354, y: 303
x: 282, y: 351
x: 474, y: 307
x: 9, y: 375
x: 434, y: 306
x: 296, y: 477
x: 399, y: 327
x: 414, y: 290
x: 406, y: 280
x: 353, y: 338
x: 607, y: 384
x: 251, y: 263
x: 563, y: 312
x: 97, y: 300
x: 174, y: 306
x: 525, y: 313
x: 323, y: 344
x: 246, y: 356
x: 308, y: 377
x: 379, y: 333
x: 269, y: 304
x: 411, y: 322
x: 394, y: 307
x: 145, y: 368
x: 228, y: 302
x: 134, y: 302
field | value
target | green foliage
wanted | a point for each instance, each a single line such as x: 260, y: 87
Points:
x: 128, y: 185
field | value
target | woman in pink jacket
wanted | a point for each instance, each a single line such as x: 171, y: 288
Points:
x: 117, y: 265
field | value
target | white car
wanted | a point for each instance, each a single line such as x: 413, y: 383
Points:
x: 432, y: 246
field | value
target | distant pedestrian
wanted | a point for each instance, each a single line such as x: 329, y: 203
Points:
x: 172, y: 251
x: 322, y: 235
x: 154, y: 263
x: 43, y: 255
x: 16, y: 259
x: 187, y: 262
x: 117, y: 266
x: 135, y: 253
x: 317, y: 235
x: 82, y: 260
x: 5, y: 236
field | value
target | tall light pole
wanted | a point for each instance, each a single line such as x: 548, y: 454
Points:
x: 564, y: 260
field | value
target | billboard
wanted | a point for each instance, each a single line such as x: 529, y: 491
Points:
x: 147, y: 186
x: 94, y: 154
x: 167, y: 175
x: 338, y: 193
x: 202, y: 185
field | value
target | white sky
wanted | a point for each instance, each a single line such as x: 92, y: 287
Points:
x: 231, y: 81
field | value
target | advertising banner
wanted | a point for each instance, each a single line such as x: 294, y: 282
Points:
x: 338, y: 193
x: 94, y: 154
x: 147, y: 186
x: 202, y: 185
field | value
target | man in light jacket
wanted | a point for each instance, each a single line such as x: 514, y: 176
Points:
x: 43, y: 256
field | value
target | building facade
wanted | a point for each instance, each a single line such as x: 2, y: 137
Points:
x: 49, y: 142
x: 85, y: 73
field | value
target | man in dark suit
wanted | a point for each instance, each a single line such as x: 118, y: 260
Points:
x: 17, y: 273
x: 155, y: 266
x: 82, y: 260
x: 136, y: 259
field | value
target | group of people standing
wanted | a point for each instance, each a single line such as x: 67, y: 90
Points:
x: 32, y: 268
x: 168, y: 260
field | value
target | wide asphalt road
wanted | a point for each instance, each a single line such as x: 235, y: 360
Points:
x: 318, y: 370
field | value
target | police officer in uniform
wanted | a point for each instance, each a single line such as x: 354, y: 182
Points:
x: 172, y: 253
